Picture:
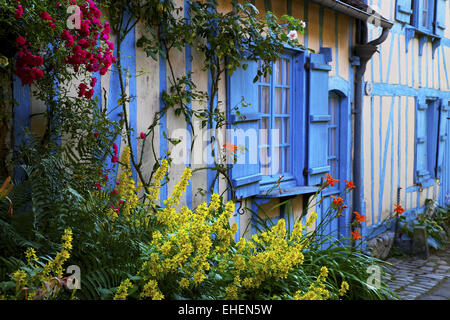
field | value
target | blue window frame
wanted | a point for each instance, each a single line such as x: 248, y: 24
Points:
x: 275, y: 103
x: 424, y: 14
x: 432, y: 135
x: 292, y: 102
x: 428, y: 116
x: 334, y: 138
x: 427, y: 16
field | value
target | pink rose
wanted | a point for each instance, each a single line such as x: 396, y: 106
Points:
x: 19, y: 12
x: 20, y: 41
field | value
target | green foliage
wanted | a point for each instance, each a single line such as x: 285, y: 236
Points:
x: 64, y: 185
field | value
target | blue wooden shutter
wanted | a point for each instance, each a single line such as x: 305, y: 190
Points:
x: 245, y: 173
x: 442, y: 135
x: 403, y: 10
x: 439, y: 25
x: 318, y: 118
x: 421, y: 158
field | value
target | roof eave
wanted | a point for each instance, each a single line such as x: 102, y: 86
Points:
x: 372, y: 18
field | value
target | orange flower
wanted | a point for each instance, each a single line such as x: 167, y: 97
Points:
x: 337, y: 202
x: 330, y: 181
x: 339, y: 213
x: 350, y: 184
x: 398, y: 209
x: 359, y: 217
x: 356, y: 235
x: 231, y: 147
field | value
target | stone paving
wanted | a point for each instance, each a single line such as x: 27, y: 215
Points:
x: 417, y: 279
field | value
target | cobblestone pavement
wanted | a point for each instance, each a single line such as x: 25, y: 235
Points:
x: 417, y: 279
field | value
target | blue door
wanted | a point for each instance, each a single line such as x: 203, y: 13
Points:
x: 444, y: 199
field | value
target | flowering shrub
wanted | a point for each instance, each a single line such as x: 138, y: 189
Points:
x: 36, y: 280
x: 193, y: 254
x: 85, y: 45
x: 173, y: 251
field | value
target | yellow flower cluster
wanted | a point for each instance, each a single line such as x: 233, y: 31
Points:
x: 20, y: 278
x: 344, y: 288
x: 312, y: 219
x: 168, y: 216
x: 151, y: 291
x: 55, y: 266
x: 127, y: 189
x: 188, y: 240
x: 122, y: 291
x: 269, y: 256
x: 30, y: 253
x: 184, y: 283
x: 317, y: 290
x: 153, y: 193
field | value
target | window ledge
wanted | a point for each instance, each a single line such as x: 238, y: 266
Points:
x: 287, y: 192
x: 423, y: 35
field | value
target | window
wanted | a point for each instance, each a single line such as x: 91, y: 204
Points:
x: 432, y: 132
x: 431, y: 116
x: 334, y: 139
x: 427, y: 16
x: 274, y: 103
x: 423, y: 14
x: 282, y: 124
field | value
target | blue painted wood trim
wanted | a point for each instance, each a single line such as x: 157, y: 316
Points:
x: 383, y: 89
x: 246, y: 118
x: 129, y: 62
x: 390, y: 59
x: 445, y: 66
x: 320, y: 118
x: 383, y: 170
x: 246, y: 180
x: 188, y: 69
x: 163, y: 121
x: 114, y: 112
x: 340, y: 85
x: 320, y: 66
x: 98, y: 90
x: 21, y: 119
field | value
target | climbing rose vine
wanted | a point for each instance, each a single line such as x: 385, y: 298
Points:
x: 84, y: 46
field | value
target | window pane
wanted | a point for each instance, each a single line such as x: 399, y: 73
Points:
x: 264, y: 100
x: 277, y: 71
x: 278, y: 132
x: 333, y: 168
x: 424, y: 19
x: 264, y: 161
x: 287, y: 160
x: 333, y: 135
x: 263, y: 132
x: 266, y: 78
x: 286, y: 130
x: 278, y: 101
x: 332, y: 142
x: 276, y: 161
x: 286, y: 101
x: 286, y: 73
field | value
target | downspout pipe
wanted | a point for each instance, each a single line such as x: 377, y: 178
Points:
x: 364, y: 50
